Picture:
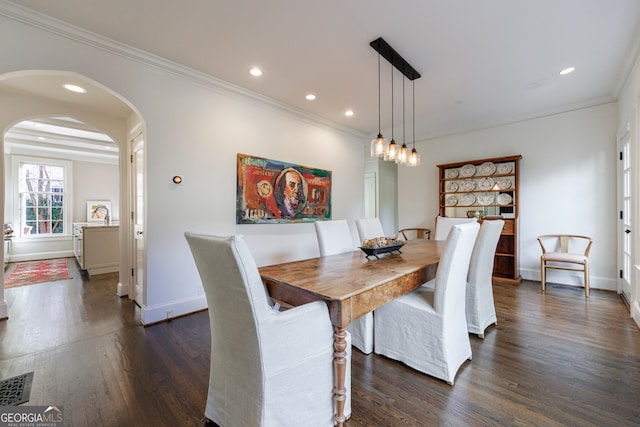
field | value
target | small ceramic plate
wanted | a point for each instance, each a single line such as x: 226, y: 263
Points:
x: 451, y: 173
x: 452, y: 187
x: 504, y: 199
x: 451, y: 201
x: 487, y: 168
x: 486, y: 184
x: 485, y: 199
x: 504, y: 168
x: 468, y: 185
x: 503, y: 183
x: 467, y: 199
x: 467, y: 170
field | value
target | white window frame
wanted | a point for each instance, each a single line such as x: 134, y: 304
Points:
x: 16, y: 168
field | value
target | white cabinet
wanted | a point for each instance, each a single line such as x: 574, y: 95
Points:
x: 97, y: 247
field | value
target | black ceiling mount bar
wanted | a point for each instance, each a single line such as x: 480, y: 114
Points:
x: 389, y: 53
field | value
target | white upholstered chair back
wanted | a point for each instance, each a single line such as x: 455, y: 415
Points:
x: 268, y: 368
x: 334, y: 237
x: 369, y: 228
x: 479, y: 298
x: 444, y: 224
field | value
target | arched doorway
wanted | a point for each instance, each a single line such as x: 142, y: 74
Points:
x: 36, y: 95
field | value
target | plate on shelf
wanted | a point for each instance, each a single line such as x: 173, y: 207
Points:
x: 504, y: 199
x: 467, y: 170
x: 504, y: 168
x: 451, y: 173
x: 486, y: 184
x: 451, y: 201
x: 487, y: 168
x: 466, y: 199
x: 503, y: 183
x: 485, y: 199
x: 452, y: 187
x: 468, y: 185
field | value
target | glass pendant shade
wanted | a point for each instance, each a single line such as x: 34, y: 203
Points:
x: 378, y: 146
x: 403, y: 155
x: 414, y: 158
x: 391, y: 153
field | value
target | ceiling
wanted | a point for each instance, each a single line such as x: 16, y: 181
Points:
x: 483, y: 63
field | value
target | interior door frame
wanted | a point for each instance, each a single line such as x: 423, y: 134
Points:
x: 625, y: 229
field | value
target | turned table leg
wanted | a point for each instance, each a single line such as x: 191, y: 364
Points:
x: 340, y: 367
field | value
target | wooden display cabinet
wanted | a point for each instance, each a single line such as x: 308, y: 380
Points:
x: 487, y: 189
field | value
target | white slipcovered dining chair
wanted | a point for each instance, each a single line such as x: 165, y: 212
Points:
x: 427, y: 329
x: 369, y: 228
x: 481, y: 311
x: 334, y: 237
x: 268, y: 367
x: 362, y: 329
x: 444, y: 224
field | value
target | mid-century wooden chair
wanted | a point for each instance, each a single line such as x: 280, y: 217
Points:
x: 415, y: 233
x: 565, y: 252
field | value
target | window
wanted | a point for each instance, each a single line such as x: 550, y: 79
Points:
x: 43, y: 196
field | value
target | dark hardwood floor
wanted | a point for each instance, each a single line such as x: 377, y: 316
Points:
x: 555, y: 359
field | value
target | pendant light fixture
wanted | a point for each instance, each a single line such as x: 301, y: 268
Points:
x: 414, y: 157
x: 379, y: 144
x: 403, y: 154
x: 391, y: 151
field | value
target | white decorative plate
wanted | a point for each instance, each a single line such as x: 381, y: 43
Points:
x: 467, y: 199
x: 452, y: 187
x: 504, y: 168
x: 468, y: 185
x: 486, y: 184
x: 485, y: 198
x: 451, y: 201
x: 504, y: 199
x: 451, y: 173
x: 487, y: 168
x: 467, y: 170
x: 504, y: 183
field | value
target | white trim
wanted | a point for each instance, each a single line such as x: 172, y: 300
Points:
x: 571, y: 279
x: 176, y: 308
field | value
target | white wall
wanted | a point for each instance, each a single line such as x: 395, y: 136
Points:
x: 195, y: 128
x: 567, y: 183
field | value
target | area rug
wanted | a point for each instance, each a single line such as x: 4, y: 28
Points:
x: 16, y: 390
x: 28, y: 273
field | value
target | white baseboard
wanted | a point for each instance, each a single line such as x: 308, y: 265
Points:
x: 160, y: 313
x: 570, y: 278
x: 635, y: 312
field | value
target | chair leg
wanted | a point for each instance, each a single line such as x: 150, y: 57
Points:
x: 542, y: 273
x: 586, y: 280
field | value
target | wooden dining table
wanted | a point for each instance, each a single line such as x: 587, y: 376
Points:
x: 352, y: 285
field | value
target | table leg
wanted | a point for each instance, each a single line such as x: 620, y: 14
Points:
x: 340, y: 367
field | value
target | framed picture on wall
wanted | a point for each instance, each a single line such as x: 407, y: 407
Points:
x: 273, y: 191
x: 97, y: 210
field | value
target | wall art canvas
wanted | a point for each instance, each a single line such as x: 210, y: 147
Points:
x: 272, y: 191
x: 98, y: 210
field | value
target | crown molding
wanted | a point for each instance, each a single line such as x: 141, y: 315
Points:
x: 60, y: 28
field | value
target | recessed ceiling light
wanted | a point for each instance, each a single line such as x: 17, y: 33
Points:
x: 74, y: 88
x: 41, y: 138
x: 310, y: 97
x: 255, y: 71
x: 567, y: 71
x: 349, y: 113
